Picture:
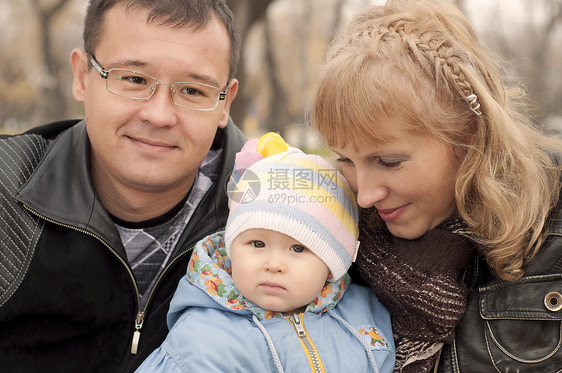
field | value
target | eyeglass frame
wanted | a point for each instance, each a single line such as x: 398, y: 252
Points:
x: 105, y: 74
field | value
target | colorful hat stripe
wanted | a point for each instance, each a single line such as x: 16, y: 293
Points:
x: 317, y: 203
x: 287, y: 219
x: 302, y: 196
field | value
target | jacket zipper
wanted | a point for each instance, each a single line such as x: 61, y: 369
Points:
x: 140, y: 316
x: 139, y: 319
x: 316, y: 365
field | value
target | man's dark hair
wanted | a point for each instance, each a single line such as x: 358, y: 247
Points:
x: 177, y: 13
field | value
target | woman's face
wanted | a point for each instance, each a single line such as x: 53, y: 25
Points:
x: 409, y: 180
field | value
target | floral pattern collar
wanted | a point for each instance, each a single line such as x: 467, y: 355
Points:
x: 210, y: 270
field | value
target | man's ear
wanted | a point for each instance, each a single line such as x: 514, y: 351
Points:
x: 79, y: 63
x: 230, y: 96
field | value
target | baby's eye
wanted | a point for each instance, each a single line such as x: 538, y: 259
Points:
x: 258, y: 244
x: 298, y: 248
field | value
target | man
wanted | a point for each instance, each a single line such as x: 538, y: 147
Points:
x: 98, y: 217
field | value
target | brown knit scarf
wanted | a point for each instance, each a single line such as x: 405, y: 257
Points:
x: 419, y: 282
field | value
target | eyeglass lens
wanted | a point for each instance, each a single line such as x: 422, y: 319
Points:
x: 136, y: 85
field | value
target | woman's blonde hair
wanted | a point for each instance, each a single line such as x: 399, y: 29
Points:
x: 418, y: 63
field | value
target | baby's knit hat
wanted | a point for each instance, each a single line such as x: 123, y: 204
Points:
x: 298, y: 194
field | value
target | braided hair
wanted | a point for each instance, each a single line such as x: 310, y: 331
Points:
x: 418, y: 64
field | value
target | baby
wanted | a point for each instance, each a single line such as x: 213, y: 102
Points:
x: 271, y: 293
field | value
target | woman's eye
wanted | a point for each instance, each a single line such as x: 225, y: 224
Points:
x: 391, y: 163
x: 258, y: 244
x: 344, y: 161
x: 298, y: 248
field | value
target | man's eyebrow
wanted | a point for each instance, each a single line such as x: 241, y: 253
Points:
x: 185, y: 77
x: 126, y: 63
x: 200, y: 78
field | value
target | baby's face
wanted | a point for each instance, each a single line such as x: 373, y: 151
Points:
x: 275, y: 271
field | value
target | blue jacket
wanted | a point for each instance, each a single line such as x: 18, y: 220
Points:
x: 213, y: 328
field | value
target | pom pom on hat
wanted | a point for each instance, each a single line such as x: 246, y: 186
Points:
x: 298, y: 194
x: 255, y: 150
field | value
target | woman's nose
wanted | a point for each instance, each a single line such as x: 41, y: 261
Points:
x: 370, y: 189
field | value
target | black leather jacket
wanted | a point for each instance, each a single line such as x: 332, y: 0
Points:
x: 516, y: 326
x: 68, y: 298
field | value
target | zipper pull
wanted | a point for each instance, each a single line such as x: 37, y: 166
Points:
x: 136, y: 335
x: 298, y: 325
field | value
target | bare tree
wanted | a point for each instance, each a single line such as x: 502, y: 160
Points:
x: 16, y: 95
x: 51, y: 104
x: 530, y: 51
x: 543, y: 42
x: 279, y: 116
x: 247, y: 13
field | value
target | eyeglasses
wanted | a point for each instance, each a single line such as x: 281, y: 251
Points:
x: 139, y: 86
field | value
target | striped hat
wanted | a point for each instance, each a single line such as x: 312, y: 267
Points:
x: 302, y: 196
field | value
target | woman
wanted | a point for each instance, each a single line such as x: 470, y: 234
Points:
x: 460, y: 225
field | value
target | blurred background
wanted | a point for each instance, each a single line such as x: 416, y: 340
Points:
x: 284, y: 43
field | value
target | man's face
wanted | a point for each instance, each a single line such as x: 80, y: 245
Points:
x: 151, y: 146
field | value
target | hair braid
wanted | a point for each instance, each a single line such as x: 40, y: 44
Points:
x: 443, y: 60
x: 419, y: 65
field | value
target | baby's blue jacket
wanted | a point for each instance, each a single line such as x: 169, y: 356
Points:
x: 213, y: 328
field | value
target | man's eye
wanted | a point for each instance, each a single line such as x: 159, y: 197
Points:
x: 193, y: 90
x: 137, y: 80
x: 258, y: 244
x: 190, y: 91
x: 298, y: 248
